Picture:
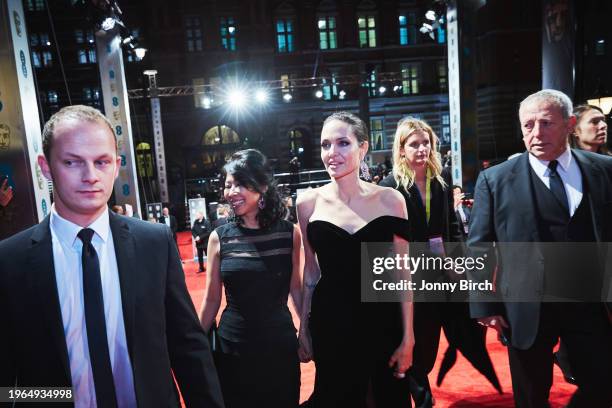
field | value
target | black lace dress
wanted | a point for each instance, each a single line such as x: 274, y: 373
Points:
x: 258, y: 364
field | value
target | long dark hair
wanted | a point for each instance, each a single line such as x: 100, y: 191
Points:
x: 251, y: 169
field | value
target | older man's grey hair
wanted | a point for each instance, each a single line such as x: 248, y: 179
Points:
x: 554, y: 97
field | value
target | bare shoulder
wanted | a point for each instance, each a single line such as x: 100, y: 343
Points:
x: 391, y: 199
x: 305, y: 202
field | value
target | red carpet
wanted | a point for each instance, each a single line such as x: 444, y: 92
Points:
x: 463, y: 386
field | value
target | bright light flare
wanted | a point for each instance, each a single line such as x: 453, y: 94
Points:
x: 262, y: 96
x: 236, y: 98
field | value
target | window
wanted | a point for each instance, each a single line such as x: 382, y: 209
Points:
x: 228, y: 33
x: 193, y: 34
x: 284, y: 35
x: 327, y: 33
x: 372, y: 81
x: 441, y: 34
x: 36, y: 59
x: 91, y: 94
x: 445, y: 129
x: 34, y: 41
x: 220, y: 134
x: 36, y: 5
x: 83, y: 37
x: 87, y: 56
x: 410, y: 79
x: 47, y: 59
x: 443, y: 76
x: 44, y: 40
x: 377, y: 134
x: 330, y: 87
x: 296, y: 142
x: 52, y: 97
x: 367, y: 31
x: 407, y: 28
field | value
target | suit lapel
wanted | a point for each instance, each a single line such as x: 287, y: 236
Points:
x: 125, y: 254
x: 596, y: 187
x: 520, y: 183
x: 42, y: 281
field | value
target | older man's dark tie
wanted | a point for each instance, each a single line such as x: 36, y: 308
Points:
x: 96, y: 323
x: 556, y: 185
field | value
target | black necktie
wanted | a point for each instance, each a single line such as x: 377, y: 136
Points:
x: 96, y: 323
x: 556, y: 185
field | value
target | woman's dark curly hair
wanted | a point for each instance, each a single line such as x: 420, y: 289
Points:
x: 251, y: 169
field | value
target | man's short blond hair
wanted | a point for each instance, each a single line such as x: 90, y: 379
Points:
x: 74, y: 112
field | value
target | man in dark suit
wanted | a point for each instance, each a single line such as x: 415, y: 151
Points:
x: 200, y: 231
x: 170, y: 221
x: 462, y: 210
x: 550, y: 194
x: 93, y: 300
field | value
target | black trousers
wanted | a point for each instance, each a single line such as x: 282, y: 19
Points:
x: 201, y: 252
x: 586, y: 332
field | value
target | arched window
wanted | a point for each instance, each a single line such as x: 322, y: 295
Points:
x: 219, y: 135
x: 144, y: 159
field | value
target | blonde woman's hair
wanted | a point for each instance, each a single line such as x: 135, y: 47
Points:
x: 402, y: 173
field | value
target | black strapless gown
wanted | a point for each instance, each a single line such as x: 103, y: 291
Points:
x: 353, y: 341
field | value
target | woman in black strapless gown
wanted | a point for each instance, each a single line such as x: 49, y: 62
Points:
x: 357, y: 347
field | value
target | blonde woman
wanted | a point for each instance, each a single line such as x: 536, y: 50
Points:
x: 418, y: 174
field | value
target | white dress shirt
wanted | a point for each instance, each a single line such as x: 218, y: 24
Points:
x: 67, y: 248
x: 570, y: 175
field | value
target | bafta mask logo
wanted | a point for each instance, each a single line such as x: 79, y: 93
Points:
x: 17, y: 21
x: 5, y: 136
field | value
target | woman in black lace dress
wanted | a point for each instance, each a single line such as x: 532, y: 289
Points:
x: 256, y: 257
x: 356, y: 346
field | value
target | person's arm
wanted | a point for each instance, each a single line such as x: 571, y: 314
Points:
x: 401, y: 358
x: 195, y: 230
x: 295, y: 288
x: 480, y: 240
x: 312, y: 273
x: 212, y: 296
x: 189, y: 350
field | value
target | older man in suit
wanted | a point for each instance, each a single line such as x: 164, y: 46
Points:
x: 555, y: 195
x: 95, y: 301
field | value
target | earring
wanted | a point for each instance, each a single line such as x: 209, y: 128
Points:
x: 261, y: 203
x: 364, y: 171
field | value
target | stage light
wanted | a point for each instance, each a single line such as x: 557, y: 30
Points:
x: 397, y: 88
x: 108, y: 23
x: 287, y: 97
x: 430, y: 15
x: 319, y: 93
x: 261, y: 96
x: 140, y: 52
x: 382, y: 90
x: 236, y: 98
x: 206, y: 102
x: 342, y: 94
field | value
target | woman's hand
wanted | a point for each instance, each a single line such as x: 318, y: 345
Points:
x: 402, y: 358
x: 305, y: 346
